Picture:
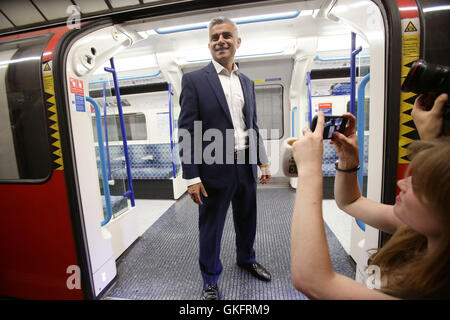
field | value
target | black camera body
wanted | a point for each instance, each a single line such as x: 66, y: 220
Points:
x: 425, y: 77
x: 332, y: 124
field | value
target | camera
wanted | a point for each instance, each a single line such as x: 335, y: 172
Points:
x: 332, y: 124
x: 425, y: 77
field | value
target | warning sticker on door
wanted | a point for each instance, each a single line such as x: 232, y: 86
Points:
x: 50, y: 103
x: 410, y: 53
x: 411, y: 26
x: 76, y: 86
x: 79, y: 103
x: 47, y: 67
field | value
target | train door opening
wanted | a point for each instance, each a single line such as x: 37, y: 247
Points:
x: 308, y: 71
x: 123, y: 113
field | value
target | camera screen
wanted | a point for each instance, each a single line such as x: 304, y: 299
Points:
x: 332, y: 125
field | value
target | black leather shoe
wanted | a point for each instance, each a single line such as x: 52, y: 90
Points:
x: 210, y: 292
x: 256, y: 270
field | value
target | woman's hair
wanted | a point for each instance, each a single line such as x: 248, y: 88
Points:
x: 409, y: 270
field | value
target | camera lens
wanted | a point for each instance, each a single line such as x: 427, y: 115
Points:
x: 426, y: 77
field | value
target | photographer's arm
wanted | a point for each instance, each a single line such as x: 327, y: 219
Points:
x: 346, y: 188
x: 312, y: 271
x: 348, y: 198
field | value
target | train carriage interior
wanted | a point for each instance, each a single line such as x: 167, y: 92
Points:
x: 138, y: 228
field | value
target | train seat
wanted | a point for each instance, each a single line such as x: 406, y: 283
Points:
x: 147, y: 161
x: 330, y: 157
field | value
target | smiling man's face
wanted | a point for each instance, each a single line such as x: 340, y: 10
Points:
x: 223, y: 43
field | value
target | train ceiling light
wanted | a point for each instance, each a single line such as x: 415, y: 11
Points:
x: 244, y: 20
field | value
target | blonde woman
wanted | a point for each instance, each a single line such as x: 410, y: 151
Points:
x: 415, y: 261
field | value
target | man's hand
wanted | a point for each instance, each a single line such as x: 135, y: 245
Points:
x: 265, y: 173
x: 194, y: 192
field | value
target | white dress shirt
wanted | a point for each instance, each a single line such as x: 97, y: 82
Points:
x: 232, y: 89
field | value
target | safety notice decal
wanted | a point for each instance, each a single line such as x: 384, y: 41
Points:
x: 410, y: 53
x: 411, y: 27
x: 410, y: 24
x: 76, y: 87
x: 50, y: 104
x: 410, y: 43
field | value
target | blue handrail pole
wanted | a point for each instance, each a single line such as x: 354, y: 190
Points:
x: 354, y: 53
x: 308, y: 75
x: 293, y: 120
x: 360, y: 126
x: 106, y: 130
x: 130, y: 192
x: 101, y: 150
x: 171, y: 131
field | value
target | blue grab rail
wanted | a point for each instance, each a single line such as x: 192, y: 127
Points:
x: 130, y: 192
x: 106, y: 130
x: 354, y: 53
x: 308, y: 75
x: 98, y: 119
x: 360, y: 124
x: 171, y: 130
x: 293, y: 120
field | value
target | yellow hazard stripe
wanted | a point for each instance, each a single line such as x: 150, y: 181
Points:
x: 410, y: 53
x: 49, y: 91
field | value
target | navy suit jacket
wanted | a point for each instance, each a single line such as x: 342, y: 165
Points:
x: 202, y: 99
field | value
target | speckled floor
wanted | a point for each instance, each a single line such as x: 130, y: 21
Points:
x: 163, y: 263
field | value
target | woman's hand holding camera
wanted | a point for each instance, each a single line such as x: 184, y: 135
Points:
x: 308, y: 149
x: 346, y: 144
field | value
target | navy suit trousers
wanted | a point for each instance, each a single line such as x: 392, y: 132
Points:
x: 241, y: 193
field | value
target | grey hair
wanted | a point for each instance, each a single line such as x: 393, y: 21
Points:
x: 220, y: 20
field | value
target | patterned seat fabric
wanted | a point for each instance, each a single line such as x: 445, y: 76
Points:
x: 330, y: 157
x: 147, y: 161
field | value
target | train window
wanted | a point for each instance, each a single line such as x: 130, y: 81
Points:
x: 269, y: 101
x: 25, y: 148
x: 135, y: 127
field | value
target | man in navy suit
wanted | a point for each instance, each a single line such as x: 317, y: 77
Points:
x: 220, y: 154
